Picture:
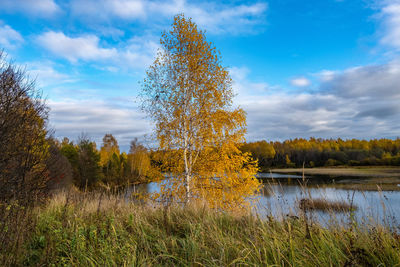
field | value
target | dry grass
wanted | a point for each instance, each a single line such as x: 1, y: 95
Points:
x: 90, y: 202
x: 98, y: 229
x: 325, y: 205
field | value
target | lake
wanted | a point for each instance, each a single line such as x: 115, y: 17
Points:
x: 280, y: 196
x: 376, y: 200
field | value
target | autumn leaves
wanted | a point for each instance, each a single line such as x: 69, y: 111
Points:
x: 188, y: 94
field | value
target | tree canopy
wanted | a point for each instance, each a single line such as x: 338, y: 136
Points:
x: 188, y: 93
x: 317, y: 152
x: 23, y: 144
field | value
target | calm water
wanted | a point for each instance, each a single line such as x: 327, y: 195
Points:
x: 280, y: 196
x: 281, y: 193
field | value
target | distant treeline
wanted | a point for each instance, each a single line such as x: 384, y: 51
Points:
x: 324, y: 152
x: 107, y: 167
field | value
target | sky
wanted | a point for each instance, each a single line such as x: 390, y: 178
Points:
x: 315, y: 68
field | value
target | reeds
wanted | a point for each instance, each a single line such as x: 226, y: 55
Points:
x: 326, y: 205
x: 106, y: 230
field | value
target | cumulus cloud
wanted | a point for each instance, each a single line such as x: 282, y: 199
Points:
x: 361, y: 102
x: 283, y: 116
x: 374, y: 81
x: 46, y: 74
x: 243, y: 88
x: 124, y: 9
x: 326, y: 75
x: 75, y: 48
x: 40, y: 8
x: 391, y: 16
x: 137, y: 52
x: 72, y: 117
x: 300, y: 82
x: 216, y: 17
x: 9, y: 38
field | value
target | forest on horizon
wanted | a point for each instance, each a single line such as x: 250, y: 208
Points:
x: 110, y: 166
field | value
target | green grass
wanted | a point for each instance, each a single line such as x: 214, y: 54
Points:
x: 89, y: 230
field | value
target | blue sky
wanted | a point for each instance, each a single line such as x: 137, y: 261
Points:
x: 321, y: 68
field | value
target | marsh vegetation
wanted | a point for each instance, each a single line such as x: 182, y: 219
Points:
x: 93, y: 229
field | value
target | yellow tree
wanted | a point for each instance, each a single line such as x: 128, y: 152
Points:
x: 189, y: 96
x: 139, y: 163
x: 110, y: 160
x: 108, y: 149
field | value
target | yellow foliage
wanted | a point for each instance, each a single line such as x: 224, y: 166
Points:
x: 189, y: 95
x: 108, y: 149
x: 140, y: 165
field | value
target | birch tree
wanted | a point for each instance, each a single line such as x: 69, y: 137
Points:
x: 188, y: 94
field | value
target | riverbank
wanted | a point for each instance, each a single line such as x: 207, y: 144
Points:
x: 372, y: 178
x: 377, y: 172
x: 97, y: 230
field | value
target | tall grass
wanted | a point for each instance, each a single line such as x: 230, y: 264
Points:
x: 106, y: 230
x: 325, y: 205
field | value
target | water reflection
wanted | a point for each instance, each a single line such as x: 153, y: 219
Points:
x: 281, y: 194
x: 280, y: 197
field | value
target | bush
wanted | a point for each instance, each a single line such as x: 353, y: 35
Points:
x: 24, y: 151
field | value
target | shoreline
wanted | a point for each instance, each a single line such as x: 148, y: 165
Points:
x: 373, y: 171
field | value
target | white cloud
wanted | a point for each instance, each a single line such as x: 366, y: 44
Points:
x: 123, y: 9
x: 9, y: 38
x: 326, y: 75
x: 300, y: 82
x: 126, y: 8
x: 339, y: 109
x: 215, y: 17
x: 138, y: 52
x: 40, y: 8
x: 283, y: 116
x: 72, y: 117
x: 360, y: 102
x: 391, y: 15
x: 75, y: 48
x: 46, y: 74
x: 226, y: 19
x: 373, y: 81
x: 243, y: 87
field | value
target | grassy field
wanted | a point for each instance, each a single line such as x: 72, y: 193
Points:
x: 95, y: 230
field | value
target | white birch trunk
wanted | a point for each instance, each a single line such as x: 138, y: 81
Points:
x: 187, y: 170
